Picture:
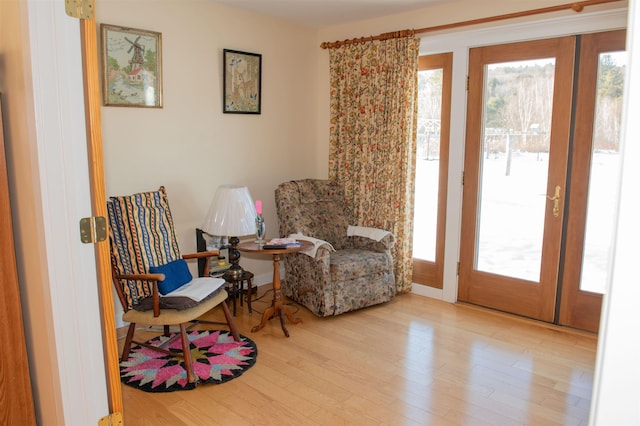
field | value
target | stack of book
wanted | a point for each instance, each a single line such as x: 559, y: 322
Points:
x: 217, y: 270
x: 281, y: 243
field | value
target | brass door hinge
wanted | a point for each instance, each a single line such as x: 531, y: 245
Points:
x: 93, y: 229
x: 467, y: 83
x: 81, y: 9
x: 113, y: 419
x: 458, y: 273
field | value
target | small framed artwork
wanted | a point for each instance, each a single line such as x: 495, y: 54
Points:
x: 242, y: 74
x: 131, y: 67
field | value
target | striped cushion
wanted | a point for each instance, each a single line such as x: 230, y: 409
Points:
x: 142, y: 235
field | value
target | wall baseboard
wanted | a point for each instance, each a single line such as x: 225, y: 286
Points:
x: 426, y: 291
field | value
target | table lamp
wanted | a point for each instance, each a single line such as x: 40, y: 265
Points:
x: 231, y: 214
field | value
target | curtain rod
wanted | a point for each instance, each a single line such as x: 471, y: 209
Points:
x: 577, y: 7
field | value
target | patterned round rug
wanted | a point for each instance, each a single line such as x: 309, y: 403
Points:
x: 216, y: 358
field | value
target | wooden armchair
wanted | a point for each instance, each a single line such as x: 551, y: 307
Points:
x: 152, y: 279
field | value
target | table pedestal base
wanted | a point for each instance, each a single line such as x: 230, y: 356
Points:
x: 280, y: 310
x: 277, y: 308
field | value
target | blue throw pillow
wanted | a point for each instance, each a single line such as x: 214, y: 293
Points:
x: 176, y: 274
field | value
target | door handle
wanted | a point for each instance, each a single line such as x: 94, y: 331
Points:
x: 556, y: 201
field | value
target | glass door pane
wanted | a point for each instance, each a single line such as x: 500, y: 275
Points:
x: 605, y: 160
x: 516, y: 161
x: 514, y: 167
x: 427, y: 164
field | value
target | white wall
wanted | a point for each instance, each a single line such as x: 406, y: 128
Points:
x: 190, y: 146
x: 617, y: 371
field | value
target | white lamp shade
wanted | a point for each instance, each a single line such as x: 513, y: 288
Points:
x: 232, y: 212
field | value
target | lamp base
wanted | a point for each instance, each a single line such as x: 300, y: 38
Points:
x: 235, y: 270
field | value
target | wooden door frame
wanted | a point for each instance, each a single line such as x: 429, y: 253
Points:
x: 426, y: 272
x: 89, y: 43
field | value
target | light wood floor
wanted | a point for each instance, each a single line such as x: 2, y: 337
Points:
x: 412, y: 361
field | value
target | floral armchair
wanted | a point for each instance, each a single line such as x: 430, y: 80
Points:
x: 348, y: 267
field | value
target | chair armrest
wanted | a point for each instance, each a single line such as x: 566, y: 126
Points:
x: 147, y: 277
x: 201, y: 254
x: 376, y: 234
x: 388, y: 241
x: 371, y: 238
x: 322, y: 252
x: 365, y: 243
x: 317, y: 245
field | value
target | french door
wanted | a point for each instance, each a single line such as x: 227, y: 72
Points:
x: 528, y: 162
x: 594, y: 179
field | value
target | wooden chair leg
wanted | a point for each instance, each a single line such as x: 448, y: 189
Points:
x: 186, y: 353
x: 230, y: 322
x: 127, y: 343
x: 167, y: 330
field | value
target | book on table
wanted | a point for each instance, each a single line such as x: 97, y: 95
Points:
x: 281, y: 243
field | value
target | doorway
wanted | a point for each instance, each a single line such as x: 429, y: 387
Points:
x: 531, y: 164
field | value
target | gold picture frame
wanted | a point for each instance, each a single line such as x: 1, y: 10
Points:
x: 242, y: 76
x: 131, y: 67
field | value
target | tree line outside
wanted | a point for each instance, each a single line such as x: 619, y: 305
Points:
x: 518, y: 103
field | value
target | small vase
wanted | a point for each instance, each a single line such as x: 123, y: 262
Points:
x: 260, y: 230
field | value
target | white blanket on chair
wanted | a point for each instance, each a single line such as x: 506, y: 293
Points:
x: 317, y: 243
x: 367, y: 232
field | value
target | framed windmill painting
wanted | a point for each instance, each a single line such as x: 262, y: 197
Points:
x: 131, y: 67
x: 242, y: 75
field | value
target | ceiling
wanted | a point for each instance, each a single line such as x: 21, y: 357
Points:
x: 326, y: 13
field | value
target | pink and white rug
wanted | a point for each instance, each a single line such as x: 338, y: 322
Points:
x: 216, y: 358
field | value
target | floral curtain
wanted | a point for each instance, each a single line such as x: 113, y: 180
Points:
x: 374, y: 88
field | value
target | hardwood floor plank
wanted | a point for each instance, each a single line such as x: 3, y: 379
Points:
x: 412, y: 361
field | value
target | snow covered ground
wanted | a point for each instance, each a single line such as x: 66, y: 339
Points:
x: 512, y: 216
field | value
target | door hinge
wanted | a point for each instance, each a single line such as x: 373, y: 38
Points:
x: 467, y: 83
x: 93, y: 229
x: 113, y: 419
x: 463, y: 178
x: 458, y: 272
x: 81, y: 9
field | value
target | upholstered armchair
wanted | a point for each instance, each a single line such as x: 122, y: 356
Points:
x: 348, y: 268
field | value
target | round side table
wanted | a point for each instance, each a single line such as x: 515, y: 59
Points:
x: 277, y: 308
x: 237, y: 285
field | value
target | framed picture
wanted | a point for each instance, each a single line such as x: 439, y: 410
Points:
x: 131, y: 67
x: 242, y: 82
